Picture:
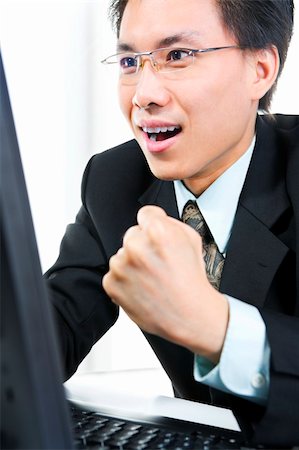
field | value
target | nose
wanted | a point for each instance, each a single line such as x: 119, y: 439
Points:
x: 150, y: 88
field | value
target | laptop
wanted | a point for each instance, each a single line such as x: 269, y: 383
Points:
x: 35, y: 413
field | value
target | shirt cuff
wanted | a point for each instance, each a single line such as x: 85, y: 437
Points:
x: 243, y: 368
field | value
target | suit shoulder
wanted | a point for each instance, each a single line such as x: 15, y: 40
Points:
x: 122, y: 159
x: 282, y: 122
x: 125, y: 153
x: 119, y: 167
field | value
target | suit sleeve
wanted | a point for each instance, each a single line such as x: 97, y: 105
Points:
x: 82, y: 310
x: 282, y: 409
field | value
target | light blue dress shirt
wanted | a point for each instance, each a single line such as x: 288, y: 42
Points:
x: 243, y: 369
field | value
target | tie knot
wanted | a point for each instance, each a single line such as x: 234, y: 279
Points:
x: 193, y: 217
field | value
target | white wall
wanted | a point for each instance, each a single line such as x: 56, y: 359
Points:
x: 52, y: 51
x: 66, y: 109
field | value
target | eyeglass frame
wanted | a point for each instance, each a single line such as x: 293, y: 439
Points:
x: 137, y: 56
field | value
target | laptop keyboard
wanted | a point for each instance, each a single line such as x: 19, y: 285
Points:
x: 93, y: 430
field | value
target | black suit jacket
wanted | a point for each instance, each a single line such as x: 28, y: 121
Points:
x: 261, y: 268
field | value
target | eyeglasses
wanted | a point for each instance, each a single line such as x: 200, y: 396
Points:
x: 165, y: 60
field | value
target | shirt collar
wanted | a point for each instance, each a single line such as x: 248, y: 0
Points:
x: 219, y: 202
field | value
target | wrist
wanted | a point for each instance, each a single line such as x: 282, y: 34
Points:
x: 210, y: 336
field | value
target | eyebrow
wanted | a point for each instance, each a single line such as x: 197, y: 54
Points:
x: 189, y: 37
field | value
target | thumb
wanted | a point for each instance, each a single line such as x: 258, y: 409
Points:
x: 150, y: 215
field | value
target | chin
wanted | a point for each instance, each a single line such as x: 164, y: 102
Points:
x: 165, y: 174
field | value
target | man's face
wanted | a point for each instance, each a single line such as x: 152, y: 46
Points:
x: 209, y: 103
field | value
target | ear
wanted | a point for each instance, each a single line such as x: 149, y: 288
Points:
x: 266, y: 66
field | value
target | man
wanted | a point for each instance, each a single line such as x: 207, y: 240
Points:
x: 191, y: 89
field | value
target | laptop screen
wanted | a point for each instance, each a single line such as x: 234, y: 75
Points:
x: 34, y: 412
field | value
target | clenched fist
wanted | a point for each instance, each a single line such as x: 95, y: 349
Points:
x: 158, y: 277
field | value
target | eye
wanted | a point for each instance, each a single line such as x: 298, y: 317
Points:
x: 178, y: 54
x: 128, y: 64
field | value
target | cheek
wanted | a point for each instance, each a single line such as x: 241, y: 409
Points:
x: 125, y: 98
x: 218, y: 99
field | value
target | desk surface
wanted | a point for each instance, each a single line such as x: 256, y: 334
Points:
x: 146, y: 391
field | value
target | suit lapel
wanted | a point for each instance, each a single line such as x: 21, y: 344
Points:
x: 161, y: 193
x: 253, y: 257
x: 254, y: 252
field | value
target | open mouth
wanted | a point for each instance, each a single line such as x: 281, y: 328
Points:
x: 161, y: 134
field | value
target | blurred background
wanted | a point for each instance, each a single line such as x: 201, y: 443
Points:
x: 66, y: 109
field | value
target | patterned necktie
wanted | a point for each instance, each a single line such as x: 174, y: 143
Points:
x: 214, y: 260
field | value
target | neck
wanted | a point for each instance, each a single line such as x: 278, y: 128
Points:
x: 203, y: 179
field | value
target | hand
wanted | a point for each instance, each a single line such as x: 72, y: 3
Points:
x: 158, y: 277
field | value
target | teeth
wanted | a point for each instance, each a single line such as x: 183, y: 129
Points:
x: 160, y: 129
x: 153, y: 137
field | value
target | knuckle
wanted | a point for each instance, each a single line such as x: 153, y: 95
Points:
x: 131, y: 233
